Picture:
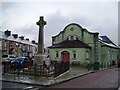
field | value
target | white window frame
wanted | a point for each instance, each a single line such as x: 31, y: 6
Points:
x: 56, y: 54
x: 87, y: 55
x: 74, y: 55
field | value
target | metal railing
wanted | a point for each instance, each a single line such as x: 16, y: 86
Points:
x: 37, y: 70
x: 61, y: 68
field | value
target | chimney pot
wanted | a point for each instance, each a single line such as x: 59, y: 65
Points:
x: 21, y: 37
x: 27, y: 39
x: 33, y: 41
x: 7, y: 33
x: 15, y: 35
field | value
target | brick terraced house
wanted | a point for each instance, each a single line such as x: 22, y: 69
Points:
x: 12, y: 44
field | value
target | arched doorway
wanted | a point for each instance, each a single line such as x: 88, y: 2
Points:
x: 65, y: 56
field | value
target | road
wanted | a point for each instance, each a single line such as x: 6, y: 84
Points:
x: 17, y: 86
x: 102, y: 79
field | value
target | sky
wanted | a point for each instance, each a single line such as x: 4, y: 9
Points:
x: 95, y: 16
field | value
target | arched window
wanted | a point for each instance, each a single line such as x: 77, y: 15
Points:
x: 72, y: 38
x: 67, y: 39
x: 77, y: 38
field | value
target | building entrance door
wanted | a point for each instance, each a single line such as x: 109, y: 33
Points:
x: 65, y: 56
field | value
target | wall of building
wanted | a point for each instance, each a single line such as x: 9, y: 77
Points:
x: 80, y: 55
x: 108, y: 55
x: 17, y: 46
x: 72, y: 30
x: 98, y: 52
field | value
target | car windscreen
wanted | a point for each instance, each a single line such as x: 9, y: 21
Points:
x: 12, y: 56
x: 19, y: 59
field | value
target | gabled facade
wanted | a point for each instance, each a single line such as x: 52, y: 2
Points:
x: 77, y: 45
x: 83, y: 45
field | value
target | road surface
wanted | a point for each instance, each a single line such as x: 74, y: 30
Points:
x: 101, y: 79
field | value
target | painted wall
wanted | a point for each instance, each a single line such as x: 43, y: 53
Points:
x: 81, y: 34
x: 98, y: 53
x: 80, y: 54
x: 72, y: 30
x: 108, y: 54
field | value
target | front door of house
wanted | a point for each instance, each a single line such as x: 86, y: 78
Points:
x: 65, y: 56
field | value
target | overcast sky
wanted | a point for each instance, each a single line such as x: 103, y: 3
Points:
x: 21, y: 18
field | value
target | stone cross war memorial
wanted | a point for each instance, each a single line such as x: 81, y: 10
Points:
x: 40, y: 56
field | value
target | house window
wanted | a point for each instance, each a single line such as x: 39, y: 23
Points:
x: 109, y: 55
x: 72, y: 37
x: 53, y: 40
x: 87, y: 55
x: 5, y: 44
x: 77, y: 38
x: 67, y: 39
x: 74, y: 54
x: 56, y: 54
x: 112, y: 55
x: 10, y: 44
x: 0, y: 44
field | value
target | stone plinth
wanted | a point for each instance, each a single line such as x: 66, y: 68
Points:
x: 39, y: 59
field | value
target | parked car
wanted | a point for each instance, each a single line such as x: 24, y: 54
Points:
x: 20, y: 62
x: 7, y: 58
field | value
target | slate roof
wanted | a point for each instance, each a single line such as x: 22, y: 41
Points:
x: 107, y: 41
x: 70, y: 44
x: 11, y: 38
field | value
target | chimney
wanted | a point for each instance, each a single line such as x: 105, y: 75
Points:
x: 15, y: 35
x: 21, y: 37
x: 33, y: 41
x: 7, y: 33
x: 27, y: 39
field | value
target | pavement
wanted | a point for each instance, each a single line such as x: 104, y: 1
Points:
x: 74, y: 72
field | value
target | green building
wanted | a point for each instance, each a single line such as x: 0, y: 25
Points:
x: 79, y: 46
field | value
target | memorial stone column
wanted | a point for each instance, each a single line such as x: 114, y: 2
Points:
x: 40, y: 56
